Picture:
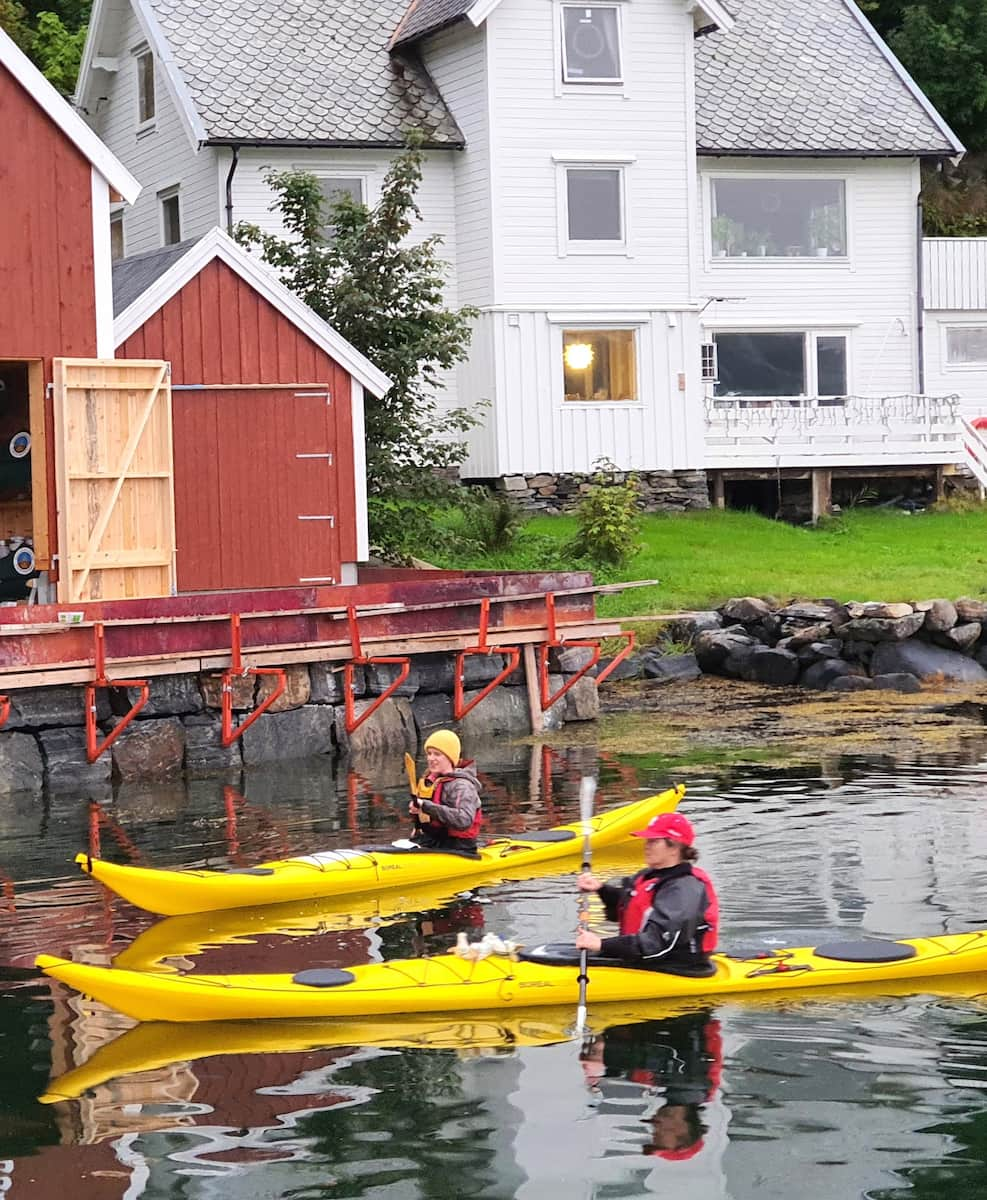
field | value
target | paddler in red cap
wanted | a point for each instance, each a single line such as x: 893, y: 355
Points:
x: 668, y: 913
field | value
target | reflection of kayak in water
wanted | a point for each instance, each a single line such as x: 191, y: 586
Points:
x: 184, y: 936
x: 371, y: 869
x: 156, y: 1044
x: 447, y: 983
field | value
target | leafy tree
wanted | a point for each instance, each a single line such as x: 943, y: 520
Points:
x: 384, y: 295
x: 52, y: 37
x: 943, y: 45
x: 58, y: 51
x: 14, y: 20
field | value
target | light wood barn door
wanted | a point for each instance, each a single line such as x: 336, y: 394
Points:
x: 115, y: 479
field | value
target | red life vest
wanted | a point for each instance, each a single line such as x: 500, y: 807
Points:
x: 471, y: 832
x: 635, y: 911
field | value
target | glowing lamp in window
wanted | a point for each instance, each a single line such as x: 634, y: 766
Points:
x: 578, y: 356
x: 599, y: 365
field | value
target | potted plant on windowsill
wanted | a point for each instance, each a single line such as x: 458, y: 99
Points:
x: 759, y: 244
x: 826, y: 230
x: 727, y: 236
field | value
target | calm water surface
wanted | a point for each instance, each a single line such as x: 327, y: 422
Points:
x: 831, y: 1096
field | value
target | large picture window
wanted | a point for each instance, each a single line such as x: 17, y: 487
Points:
x: 966, y: 345
x: 778, y: 218
x: 599, y: 365
x: 594, y: 206
x: 780, y: 364
x: 590, y: 44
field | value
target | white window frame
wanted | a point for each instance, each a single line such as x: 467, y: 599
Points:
x: 810, y: 352
x: 564, y: 163
x: 141, y: 53
x: 116, y: 218
x: 829, y: 262
x: 164, y: 194
x: 960, y: 368
x: 635, y: 322
x: 563, y: 66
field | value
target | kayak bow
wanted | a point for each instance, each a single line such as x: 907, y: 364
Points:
x: 447, y: 983
x: 350, y: 872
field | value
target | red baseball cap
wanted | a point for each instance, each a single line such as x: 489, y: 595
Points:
x: 669, y: 825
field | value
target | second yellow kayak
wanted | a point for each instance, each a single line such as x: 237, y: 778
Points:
x: 350, y: 872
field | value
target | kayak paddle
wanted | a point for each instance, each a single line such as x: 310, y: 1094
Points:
x: 587, y: 793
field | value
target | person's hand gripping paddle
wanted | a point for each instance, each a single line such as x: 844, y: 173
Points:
x: 587, y: 794
x: 412, y: 773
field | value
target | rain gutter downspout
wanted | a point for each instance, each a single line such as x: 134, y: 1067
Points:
x: 229, y: 189
x: 920, y: 292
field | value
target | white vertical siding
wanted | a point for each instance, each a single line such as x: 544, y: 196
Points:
x: 457, y: 61
x: 535, y: 429
x: 158, y: 158
x: 955, y: 273
x: 873, y: 295
x: 648, y: 118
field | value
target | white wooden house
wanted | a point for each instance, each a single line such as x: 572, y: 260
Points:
x: 634, y: 195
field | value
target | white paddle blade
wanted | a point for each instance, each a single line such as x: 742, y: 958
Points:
x: 587, y: 794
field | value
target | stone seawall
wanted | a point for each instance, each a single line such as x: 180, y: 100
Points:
x: 43, y: 743
x: 824, y: 645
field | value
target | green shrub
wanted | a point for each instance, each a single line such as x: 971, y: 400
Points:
x: 492, y: 520
x: 607, y: 518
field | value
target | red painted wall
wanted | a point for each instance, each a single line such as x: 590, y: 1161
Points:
x: 47, y: 279
x: 46, y: 235
x: 239, y: 488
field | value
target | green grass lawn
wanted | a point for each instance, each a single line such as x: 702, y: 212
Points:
x: 702, y: 559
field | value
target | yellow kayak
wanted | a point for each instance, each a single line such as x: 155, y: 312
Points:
x: 155, y: 1045
x: 349, y: 872
x: 547, y: 976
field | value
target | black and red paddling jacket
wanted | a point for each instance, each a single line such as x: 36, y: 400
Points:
x: 668, y: 916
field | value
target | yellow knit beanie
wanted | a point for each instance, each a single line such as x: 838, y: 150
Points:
x: 447, y: 743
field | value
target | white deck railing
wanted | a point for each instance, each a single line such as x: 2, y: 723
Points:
x: 851, y: 431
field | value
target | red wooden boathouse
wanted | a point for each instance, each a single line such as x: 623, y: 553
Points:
x: 57, y: 180
x: 267, y: 410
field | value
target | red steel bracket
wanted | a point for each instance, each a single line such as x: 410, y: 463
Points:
x: 94, y: 746
x: 548, y: 698
x: 459, y: 707
x: 230, y: 732
x: 4, y: 710
x: 359, y: 659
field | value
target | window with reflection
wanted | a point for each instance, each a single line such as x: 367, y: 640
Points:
x: 966, y: 345
x: 778, y: 218
x: 599, y: 365
x: 780, y: 364
x: 590, y: 44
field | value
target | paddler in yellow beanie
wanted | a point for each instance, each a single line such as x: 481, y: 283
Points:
x: 447, y: 798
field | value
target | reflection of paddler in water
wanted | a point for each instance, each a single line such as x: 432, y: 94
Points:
x: 677, y: 1061
x: 446, y: 800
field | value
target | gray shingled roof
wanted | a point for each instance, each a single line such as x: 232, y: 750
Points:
x: 133, y: 276
x: 302, y: 71
x: 428, y: 16
x: 805, y: 77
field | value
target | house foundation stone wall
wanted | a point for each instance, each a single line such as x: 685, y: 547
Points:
x: 660, y: 491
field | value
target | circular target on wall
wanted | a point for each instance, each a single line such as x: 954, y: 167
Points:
x: 20, y: 445
x: 588, y: 42
x: 24, y: 560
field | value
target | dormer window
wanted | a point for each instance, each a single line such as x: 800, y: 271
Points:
x: 591, y: 44
x: 145, y: 87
